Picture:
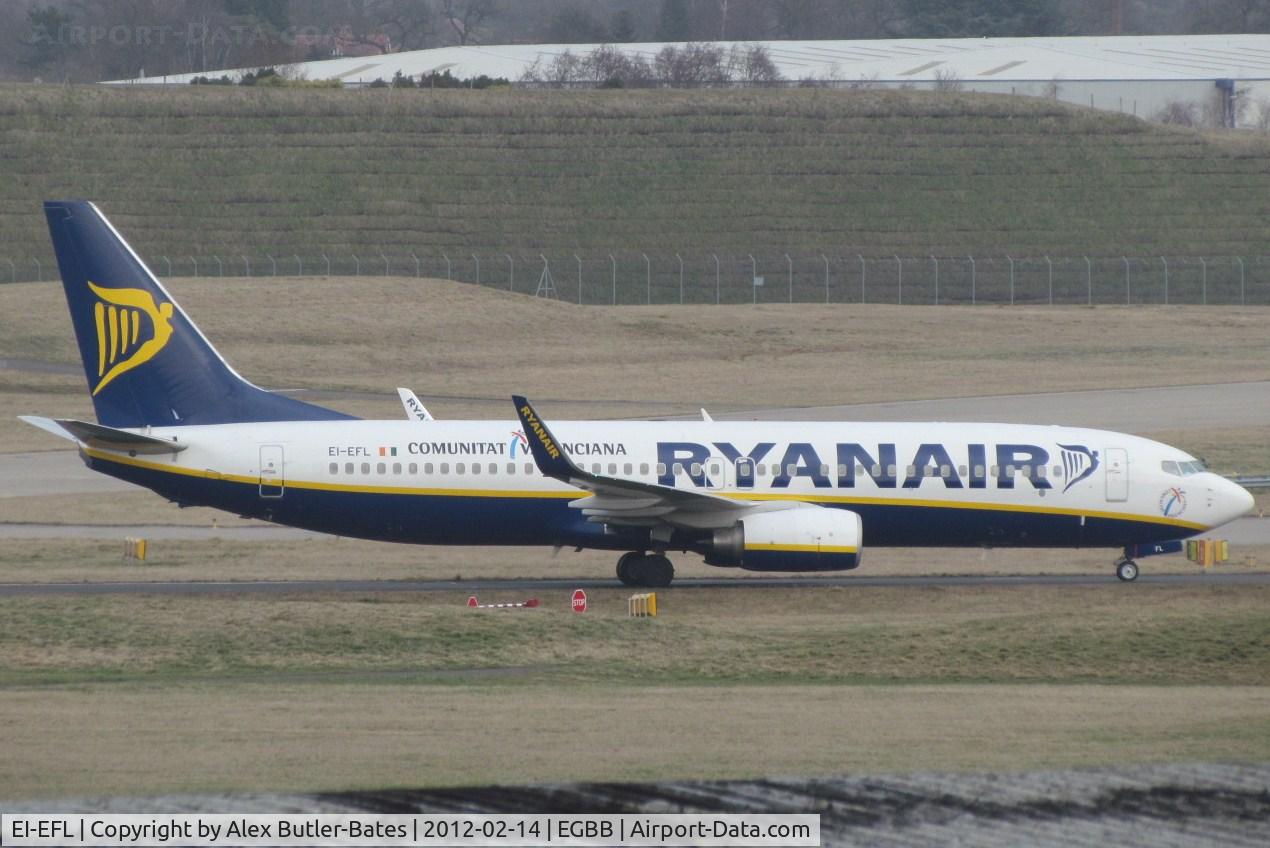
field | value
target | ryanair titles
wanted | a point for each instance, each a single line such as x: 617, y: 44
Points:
x: 978, y: 463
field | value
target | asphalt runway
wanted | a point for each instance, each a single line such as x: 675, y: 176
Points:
x: 528, y: 587
x: 1218, y: 405
x: 1143, y: 410
x: 53, y: 472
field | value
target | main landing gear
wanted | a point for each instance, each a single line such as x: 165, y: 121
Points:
x: 645, y: 570
x: 1126, y: 569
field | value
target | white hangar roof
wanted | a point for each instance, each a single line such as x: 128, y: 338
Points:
x: 897, y: 61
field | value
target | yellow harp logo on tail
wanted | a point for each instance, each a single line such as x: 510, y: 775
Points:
x: 122, y: 343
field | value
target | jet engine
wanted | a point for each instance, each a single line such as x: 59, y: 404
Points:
x: 801, y: 538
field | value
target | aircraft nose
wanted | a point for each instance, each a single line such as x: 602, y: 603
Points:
x: 1233, y: 501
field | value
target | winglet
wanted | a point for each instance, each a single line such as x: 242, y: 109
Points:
x: 548, y: 454
x: 415, y: 409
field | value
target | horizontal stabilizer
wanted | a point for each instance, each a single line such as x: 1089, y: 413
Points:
x: 104, y: 438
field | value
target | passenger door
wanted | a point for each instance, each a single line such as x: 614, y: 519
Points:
x: 1116, y: 463
x: 718, y: 473
x: 272, y: 481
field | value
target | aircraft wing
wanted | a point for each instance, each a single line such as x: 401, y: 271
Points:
x: 105, y: 438
x: 615, y: 500
x: 415, y: 410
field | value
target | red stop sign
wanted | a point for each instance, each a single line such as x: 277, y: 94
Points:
x: 579, y: 600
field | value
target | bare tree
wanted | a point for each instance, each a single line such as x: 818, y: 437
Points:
x: 802, y: 18
x: 609, y: 66
x: 691, y: 65
x: 408, y: 25
x: 946, y: 79
x: 466, y: 17
x: 1179, y: 113
x: 564, y: 69
x: 752, y: 64
x: 1229, y: 15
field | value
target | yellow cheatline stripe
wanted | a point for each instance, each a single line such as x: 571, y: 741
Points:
x: 816, y: 498
x: 110, y: 456
x: 99, y: 312
x: 811, y: 498
x: 809, y: 549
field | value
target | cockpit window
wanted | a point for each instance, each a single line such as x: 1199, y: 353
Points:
x: 1182, y: 469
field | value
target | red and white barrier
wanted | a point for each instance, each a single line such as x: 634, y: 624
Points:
x: 472, y: 603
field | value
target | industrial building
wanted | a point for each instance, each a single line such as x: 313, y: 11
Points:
x: 1223, y: 78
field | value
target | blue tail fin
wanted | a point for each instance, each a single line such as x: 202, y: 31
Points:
x: 146, y: 362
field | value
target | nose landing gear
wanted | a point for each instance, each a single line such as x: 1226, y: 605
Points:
x: 1127, y: 570
x: 645, y: 570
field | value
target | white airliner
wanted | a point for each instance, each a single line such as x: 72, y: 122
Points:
x: 174, y: 417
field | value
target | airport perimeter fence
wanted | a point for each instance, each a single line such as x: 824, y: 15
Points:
x: 623, y: 278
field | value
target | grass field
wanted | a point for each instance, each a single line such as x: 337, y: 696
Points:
x: 93, y: 740
x: 1132, y: 635
x: 320, y: 692
x: 205, y: 170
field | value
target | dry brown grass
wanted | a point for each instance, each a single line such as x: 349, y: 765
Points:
x: 288, y: 736
x: 1147, y: 634
x: 475, y: 346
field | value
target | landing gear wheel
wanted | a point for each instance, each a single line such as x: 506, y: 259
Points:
x: 658, y: 572
x: 645, y: 570
x: 1127, y: 570
x: 628, y: 567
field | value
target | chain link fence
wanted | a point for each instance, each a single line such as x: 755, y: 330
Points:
x: 625, y: 277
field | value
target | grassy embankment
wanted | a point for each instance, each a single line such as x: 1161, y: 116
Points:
x: 202, y: 171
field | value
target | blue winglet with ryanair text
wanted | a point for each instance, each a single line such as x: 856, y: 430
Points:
x: 548, y: 454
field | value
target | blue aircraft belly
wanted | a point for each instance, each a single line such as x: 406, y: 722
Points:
x: 447, y: 519
x: 411, y: 517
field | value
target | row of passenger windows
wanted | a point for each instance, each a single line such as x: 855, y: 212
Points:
x: 695, y: 469
x: 428, y: 468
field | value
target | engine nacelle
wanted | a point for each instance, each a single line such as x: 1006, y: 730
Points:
x: 801, y: 538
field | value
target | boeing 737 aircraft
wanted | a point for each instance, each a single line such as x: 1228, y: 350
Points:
x: 174, y: 417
